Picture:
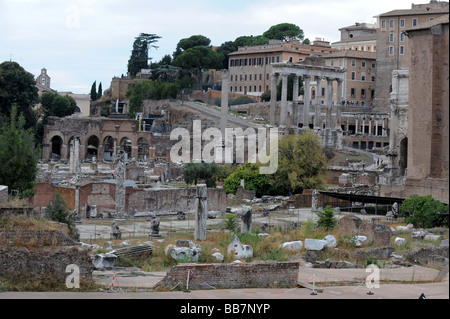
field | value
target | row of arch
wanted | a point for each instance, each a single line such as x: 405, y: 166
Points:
x: 104, y: 150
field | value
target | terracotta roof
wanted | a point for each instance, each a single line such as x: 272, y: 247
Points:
x: 351, y: 54
x: 416, y: 11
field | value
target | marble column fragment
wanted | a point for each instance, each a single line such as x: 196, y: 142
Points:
x: 201, y: 212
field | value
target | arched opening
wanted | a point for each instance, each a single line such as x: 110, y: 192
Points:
x: 56, y: 146
x: 125, y: 145
x: 403, y: 161
x: 142, y: 149
x: 108, y: 148
x: 92, y: 147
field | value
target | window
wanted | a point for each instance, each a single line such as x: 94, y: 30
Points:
x: 260, y: 77
x: 373, y: 78
x: 245, y: 77
x: 231, y: 79
x: 353, y: 76
x: 414, y: 22
x: 402, y: 23
x: 402, y: 50
x: 402, y: 37
x: 391, y: 37
x: 250, y: 77
x: 363, y: 93
x: 391, y: 23
x: 363, y: 76
x: 363, y: 63
x: 352, y: 92
x: 373, y: 65
x: 383, y: 24
x: 353, y: 62
x: 332, y: 63
x: 391, y: 50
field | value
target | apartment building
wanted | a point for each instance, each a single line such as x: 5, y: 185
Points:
x: 250, y: 66
x: 357, y: 37
x: 359, y: 84
x: 392, y: 45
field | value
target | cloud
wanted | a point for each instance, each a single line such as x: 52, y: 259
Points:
x: 82, y: 41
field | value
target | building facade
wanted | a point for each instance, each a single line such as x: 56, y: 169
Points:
x: 392, y: 45
x: 358, y: 37
x: 250, y: 67
x: 359, y: 83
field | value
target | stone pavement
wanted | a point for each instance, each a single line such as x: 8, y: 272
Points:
x: 134, y: 278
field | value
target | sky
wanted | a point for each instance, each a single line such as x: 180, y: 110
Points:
x: 82, y: 41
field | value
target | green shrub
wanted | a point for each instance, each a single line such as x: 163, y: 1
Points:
x: 327, y: 220
x: 424, y: 212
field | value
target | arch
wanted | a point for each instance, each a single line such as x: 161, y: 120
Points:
x: 125, y: 145
x: 108, y: 148
x: 92, y: 145
x: 403, y: 160
x: 143, y: 149
x: 56, y: 146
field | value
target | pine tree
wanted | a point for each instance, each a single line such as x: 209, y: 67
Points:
x: 100, y: 91
x: 18, y: 154
x: 94, y: 91
x: 327, y: 220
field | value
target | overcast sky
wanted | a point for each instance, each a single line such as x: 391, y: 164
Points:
x: 82, y: 41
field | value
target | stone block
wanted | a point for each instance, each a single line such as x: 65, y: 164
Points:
x: 104, y: 261
x: 315, y: 244
x: 292, y: 245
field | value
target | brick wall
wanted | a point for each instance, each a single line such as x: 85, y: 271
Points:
x: 233, y: 275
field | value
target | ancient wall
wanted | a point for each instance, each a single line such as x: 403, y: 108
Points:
x: 47, y: 262
x: 233, y: 275
x: 167, y: 200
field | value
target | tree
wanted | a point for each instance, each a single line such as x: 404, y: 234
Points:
x: 139, y: 54
x: 194, y: 172
x: 94, y: 91
x: 285, y: 32
x: 17, y: 86
x: 59, y: 212
x: 100, y: 91
x: 424, y: 211
x: 192, y: 41
x: 327, y: 220
x: 18, y: 155
x: 53, y: 104
x: 249, y: 40
x: 136, y: 96
x: 301, y: 164
x: 225, y: 49
x: 253, y: 180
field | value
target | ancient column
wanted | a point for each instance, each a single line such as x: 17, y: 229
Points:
x: 307, y: 99
x: 72, y: 157
x: 273, y: 99
x: 120, y: 183
x: 224, y: 103
x: 317, y: 122
x: 201, y: 213
x: 338, y: 105
x: 329, y: 102
x: 376, y: 127
x: 295, y: 112
x: 356, y: 124
x: 284, y: 86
